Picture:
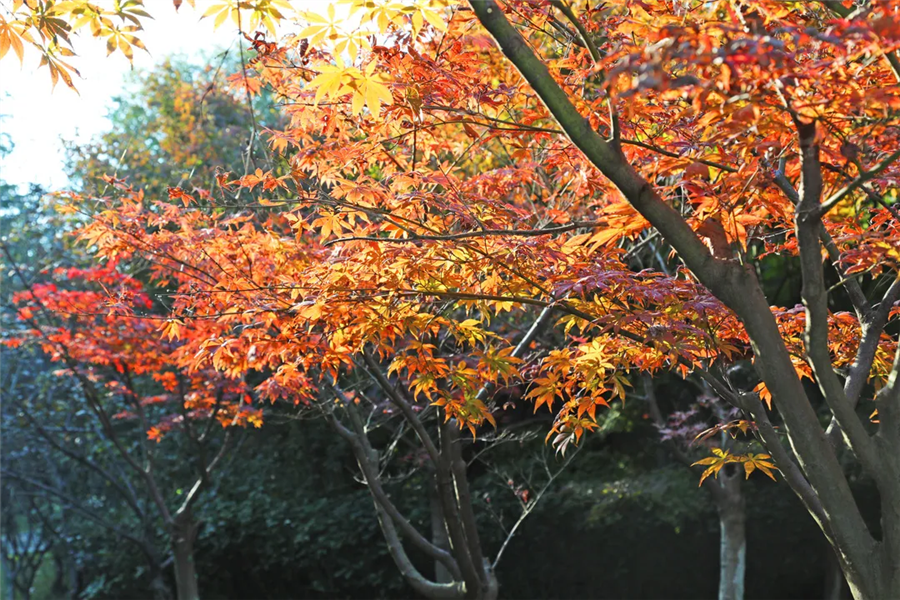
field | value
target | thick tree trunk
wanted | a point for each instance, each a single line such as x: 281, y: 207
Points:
x: 732, y: 556
x: 733, y: 540
x: 184, y: 531
x: 438, y: 534
x: 890, y: 508
x: 491, y: 588
x: 76, y: 583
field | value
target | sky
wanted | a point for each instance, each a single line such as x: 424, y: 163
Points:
x: 36, y: 118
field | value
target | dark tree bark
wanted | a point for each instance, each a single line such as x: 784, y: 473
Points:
x: 184, y: 532
x: 438, y: 533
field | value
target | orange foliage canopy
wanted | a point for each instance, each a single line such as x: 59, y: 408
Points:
x: 94, y: 322
x: 433, y: 206
x: 430, y: 201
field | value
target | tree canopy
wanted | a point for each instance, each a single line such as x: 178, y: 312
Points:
x: 448, y: 181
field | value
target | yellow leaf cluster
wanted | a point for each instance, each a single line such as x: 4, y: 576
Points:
x: 248, y: 16
x: 366, y: 88
x: 751, y: 463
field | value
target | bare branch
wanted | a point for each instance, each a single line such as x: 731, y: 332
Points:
x: 113, y: 481
x: 854, y: 290
x: 872, y: 329
x: 530, y: 506
x: 404, y: 406
x: 74, y: 505
x: 815, y: 299
x: 851, y: 187
x: 363, y: 451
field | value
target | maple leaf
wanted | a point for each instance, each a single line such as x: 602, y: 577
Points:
x: 171, y: 329
x: 367, y: 88
x: 758, y: 461
x: 320, y: 27
x: 155, y: 434
x: 715, y: 463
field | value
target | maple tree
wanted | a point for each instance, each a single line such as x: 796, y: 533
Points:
x: 765, y: 58
x: 439, y: 202
x: 128, y: 374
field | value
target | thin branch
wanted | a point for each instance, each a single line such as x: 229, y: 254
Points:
x: 125, y: 493
x: 472, y: 234
x: 854, y: 290
x: 74, y: 505
x: 566, y: 10
x: 851, y: 187
x: 815, y: 300
x: 670, y: 154
x: 359, y: 443
x: 523, y: 345
x: 531, y: 506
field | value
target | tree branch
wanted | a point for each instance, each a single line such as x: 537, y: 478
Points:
x: 815, y: 299
x: 566, y: 10
x: 731, y: 282
x: 471, y: 572
x: 854, y: 290
x: 872, y: 328
x: 522, y: 346
x: 530, y: 506
x: 851, y: 187
x: 453, y: 450
x: 472, y: 234
x: 74, y: 505
x: 121, y: 490
x: 404, y: 406
x: 359, y: 443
